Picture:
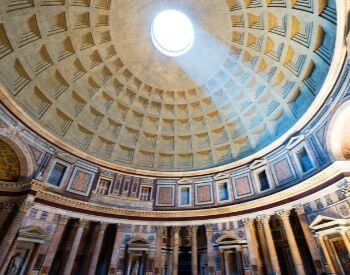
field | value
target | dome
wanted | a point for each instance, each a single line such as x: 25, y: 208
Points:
x: 174, y: 137
x: 90, y: 79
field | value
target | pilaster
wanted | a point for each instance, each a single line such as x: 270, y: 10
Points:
x: 254, y: 256
x: 176, y: 235
x: 116, y: 249
x: 194, y: 252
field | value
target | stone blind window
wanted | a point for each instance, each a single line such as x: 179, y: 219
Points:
x: 57, y: 174
x: 304, y: 160
x: 145, y: 193
x: 103, y: 187
x: 263, y: 180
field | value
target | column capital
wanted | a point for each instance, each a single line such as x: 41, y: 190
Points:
x: 120, y: 227
x: 283, y: 214
x: 176, y: 229
x: 103, y: 226
x: 25, y: 205
x: 83, y: 223
x: 208, y: 227
x: 247, y: 222
x: 299, y: 209
x: 63, y: 219
x: 263, y: 218
x: 194, y: 228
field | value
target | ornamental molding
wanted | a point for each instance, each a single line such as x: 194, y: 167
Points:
x: 59, y: 202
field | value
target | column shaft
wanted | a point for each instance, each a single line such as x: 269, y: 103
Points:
x: 264, y: 248
x: 33, y: 258
x: 194, y: 252
x: 346, y: 241
x: 116, y: 249
x: 73, y: 252
x: 298, y: 262
x: 158, y: 259
x: 227, y: 261
x: 176, y: 236
x: 271, y: 246
x: 55, y: 241
x: 97, y: 249
x: 327, y: 256
x: 310, y: 241
x: 8, y: 258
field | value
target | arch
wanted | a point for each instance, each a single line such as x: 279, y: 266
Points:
x: 21, y: 152
x: 338, y: 134
x: 226, y: 239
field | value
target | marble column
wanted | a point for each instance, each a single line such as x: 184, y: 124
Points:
x: 158, y: 257
x: 331, y: 267
x: 97, y: 248
x: 176, y: 243
x: 264, y: 248
x: 210, y: 248
x: 54, y: 244
x: 75, y: 246
x: 298, y: 262
x: 346, y: 241
x: 270, y: 244
x: 194, y: 252
x: 10, y: 254
x: 32, y: 259
x: 227, y: 256
x: 12, y: 230
x: 310, y: 241
x: 252, y: 241
x: 116, y: 249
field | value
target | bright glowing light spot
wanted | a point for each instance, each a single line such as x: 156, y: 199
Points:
x: 172, y: 33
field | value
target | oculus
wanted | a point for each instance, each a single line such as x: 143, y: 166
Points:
x: 172, y: 33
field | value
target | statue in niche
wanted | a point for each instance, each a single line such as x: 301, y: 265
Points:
x: 15, y: 265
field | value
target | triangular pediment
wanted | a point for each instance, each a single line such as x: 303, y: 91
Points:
x: 257, y: 163
x: 294, y: 141
x: 320, y: 220
x: 221, y: 176
x: 34, y: 233
x: 138, y: 242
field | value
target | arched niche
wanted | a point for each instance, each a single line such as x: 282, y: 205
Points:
x: 21, y: 157
x: 338, y: 135
x: 9, y: 163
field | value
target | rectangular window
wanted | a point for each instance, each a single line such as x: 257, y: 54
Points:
x: 264, y: 181
x: 184, y: 196
x: 223, y: 192
x: 145, y: 193
x: 304, y: 160
x: 57, y: 174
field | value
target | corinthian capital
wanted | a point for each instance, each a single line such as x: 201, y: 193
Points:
x: 283, y: 214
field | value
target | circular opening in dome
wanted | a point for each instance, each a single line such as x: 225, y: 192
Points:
x: 172, y: 33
